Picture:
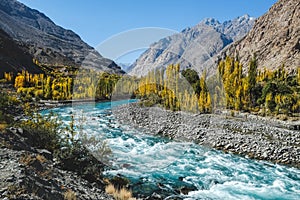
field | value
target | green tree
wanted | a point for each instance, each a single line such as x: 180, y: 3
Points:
x: 251, y: 79
x: 193, y: 78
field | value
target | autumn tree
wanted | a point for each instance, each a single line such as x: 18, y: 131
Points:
x: 20, y: 81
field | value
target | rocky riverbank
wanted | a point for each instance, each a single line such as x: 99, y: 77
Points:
x: 30, y: 173
x: 249, y: 136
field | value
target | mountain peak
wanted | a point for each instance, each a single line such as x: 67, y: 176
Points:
x: 193, y: 46
x: 245, y: 17
x: 210, y: 22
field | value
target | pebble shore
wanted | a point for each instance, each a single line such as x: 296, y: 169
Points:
x: 253, y: 137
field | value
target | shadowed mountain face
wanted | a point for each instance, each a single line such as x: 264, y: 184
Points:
x: 274, y: 38
x: 193, y: 46
x: 47, y: 42
x: 13, y: 58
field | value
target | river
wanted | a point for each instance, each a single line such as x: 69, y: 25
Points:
x: 170, y: 168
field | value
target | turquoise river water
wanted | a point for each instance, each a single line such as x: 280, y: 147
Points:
x: 155, y: 164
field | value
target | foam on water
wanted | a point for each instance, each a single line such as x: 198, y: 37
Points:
x: 156, y: 164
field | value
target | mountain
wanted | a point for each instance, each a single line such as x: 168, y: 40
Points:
x: 274, y: 38
x: 13, y: 57
x: 193, y: 46
x: 45, y: 41
x: 125, y: 66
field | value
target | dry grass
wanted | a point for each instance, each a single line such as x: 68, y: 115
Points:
x: 70, y: 195
x: 106, y: 181
x: 110, y: 189
x: 122, y: 194
x: 41, y: 158
x: 47, y: 174
x: 14, y: 191
x: 3, y: 126
x: 26, y: 159
x: 282, y: 117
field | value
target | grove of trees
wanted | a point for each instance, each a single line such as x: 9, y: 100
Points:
x: 271, y: 92
x: 233, y: 87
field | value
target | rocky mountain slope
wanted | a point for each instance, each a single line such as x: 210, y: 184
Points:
x: 13, y: 58
x: 193, y: 46
x: 30, y: 173
x: 47, y: 42
x: 274, y: 38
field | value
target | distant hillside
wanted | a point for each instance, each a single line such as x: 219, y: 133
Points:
x: 13, y: 58
x: 47, y: 42
x: 125, y: 66
x: 193, y: 46
x: 274, y: 38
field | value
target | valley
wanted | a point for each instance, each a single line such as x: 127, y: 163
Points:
x: 210, y: 112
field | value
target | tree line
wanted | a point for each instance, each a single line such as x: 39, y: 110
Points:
x: 232, y: 87
x: 175, y: 89
x: 82, y: 85
x: 270, y: 92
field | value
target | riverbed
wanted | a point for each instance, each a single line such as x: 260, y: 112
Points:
x: 165, y: 167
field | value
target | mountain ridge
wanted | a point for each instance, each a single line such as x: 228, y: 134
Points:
x: 274, y: 39
x: 183, y: 47
x: 47, y: 42
x: 13, y: 57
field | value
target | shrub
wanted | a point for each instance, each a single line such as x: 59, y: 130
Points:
x: 122, y: 194
x: 26, y: 159
x: 151, y: 100
x: 282, y: 117
x: 70, y: 195
x: 77, y: 158
x: 8, y: 108
x: 42, y: 131
x: 99, y: 149
x: 46, y: 132
x: 232, y: 113
x: 2, y: 125
x: 110, y: 189
x: 38, y: 93
x: 41, y: 158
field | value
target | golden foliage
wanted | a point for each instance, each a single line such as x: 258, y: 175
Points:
x: 122, y: 194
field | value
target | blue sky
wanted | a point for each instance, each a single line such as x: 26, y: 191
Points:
x: 97, y: 20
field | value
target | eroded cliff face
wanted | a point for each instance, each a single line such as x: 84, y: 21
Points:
x: 274, y: 38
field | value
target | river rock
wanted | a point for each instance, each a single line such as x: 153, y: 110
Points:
x: 248, y: 135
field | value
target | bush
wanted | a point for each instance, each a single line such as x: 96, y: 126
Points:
x: 46, y: 132
x: 2, y: 117
x: 8, y: 105
x: 70, y: 195
x: 42, y: 131
x: 122, y: 194
x: 232, y: 113
x: 151, y: 100
x: 78, y: 158
x: 110, y: 189
x: 39, y: 94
